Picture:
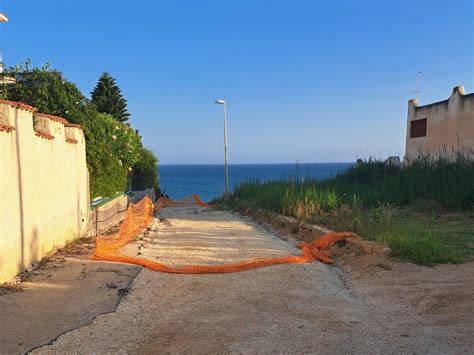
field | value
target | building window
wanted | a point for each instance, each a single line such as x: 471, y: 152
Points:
x: 418, y: 128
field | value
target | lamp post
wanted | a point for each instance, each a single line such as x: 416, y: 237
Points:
x: 3, y: 18
x: 222, y: 102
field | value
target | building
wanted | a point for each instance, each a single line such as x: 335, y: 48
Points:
x: 441, y: 128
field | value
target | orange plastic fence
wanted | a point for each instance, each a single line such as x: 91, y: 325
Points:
x: 200, y: 202
x: 140, y: 215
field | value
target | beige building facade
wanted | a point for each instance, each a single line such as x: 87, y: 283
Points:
x: 440, y: 128
x: 44, y: 185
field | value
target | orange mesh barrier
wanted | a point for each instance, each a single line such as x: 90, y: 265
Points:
x: 199, y: 201
x: 140, y: 215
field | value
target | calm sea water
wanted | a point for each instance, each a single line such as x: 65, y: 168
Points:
x: 207, y: 181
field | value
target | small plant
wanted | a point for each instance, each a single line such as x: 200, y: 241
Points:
x: 382, y: 214
x: 422, y: 247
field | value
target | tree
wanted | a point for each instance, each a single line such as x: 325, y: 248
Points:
x: 145, y: 171
x: 108, y: 98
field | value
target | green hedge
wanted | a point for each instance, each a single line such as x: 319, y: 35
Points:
x: 113, y: 149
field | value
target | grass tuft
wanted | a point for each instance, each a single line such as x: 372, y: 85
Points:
x: 423, y: 248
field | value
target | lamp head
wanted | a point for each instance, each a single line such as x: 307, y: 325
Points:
x: 220, y: 102
x: 3, y: 17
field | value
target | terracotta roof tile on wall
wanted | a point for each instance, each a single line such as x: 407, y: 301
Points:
x: 19, y: 105
x: 44, y: 135
x: 71, y: 140
x: 53, y: 118
x: 26, y: 107
x: 6, y: 128
x: 73, y: 125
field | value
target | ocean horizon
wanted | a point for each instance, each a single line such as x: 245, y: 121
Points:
x: 207, y: 180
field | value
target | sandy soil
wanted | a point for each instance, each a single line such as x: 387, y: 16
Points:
x: 421, y: 302
x: 376, y: 305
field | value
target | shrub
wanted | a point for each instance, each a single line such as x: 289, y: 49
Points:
x: 145, y: 171
x: 107, y: 174
x: 47, y: 90
x: 112, y: 148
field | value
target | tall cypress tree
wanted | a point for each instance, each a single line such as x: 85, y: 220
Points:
x: 108, y: 98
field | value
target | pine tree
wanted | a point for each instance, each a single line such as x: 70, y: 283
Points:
x: 108, y: 98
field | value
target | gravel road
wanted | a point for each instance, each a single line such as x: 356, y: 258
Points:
x: 286, y: 308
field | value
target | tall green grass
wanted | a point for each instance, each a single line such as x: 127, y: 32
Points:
x: 362, y: 200
x: 447, y: 182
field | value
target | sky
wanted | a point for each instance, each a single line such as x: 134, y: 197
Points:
x: 306, y: 81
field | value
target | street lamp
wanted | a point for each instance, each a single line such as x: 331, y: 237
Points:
x: 222, y: 102
x: 3, y: 18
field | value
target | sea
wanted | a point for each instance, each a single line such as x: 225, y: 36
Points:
x: 207, y: 181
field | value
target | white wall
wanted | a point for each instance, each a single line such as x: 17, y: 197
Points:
x: 44, y: 186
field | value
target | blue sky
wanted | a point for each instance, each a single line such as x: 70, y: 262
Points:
x: 307, y: 81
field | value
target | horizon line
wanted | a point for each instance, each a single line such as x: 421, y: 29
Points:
x: 294, y: 163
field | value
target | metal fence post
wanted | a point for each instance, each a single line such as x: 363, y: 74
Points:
x: 96, y: 222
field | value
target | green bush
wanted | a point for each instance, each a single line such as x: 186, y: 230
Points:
x: 145, y: 171
x: 122, y: 140
x: 107, y: 174
x: 48, y: 91
x: 112, y: 148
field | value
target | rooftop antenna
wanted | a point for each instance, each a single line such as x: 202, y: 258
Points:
x: 418, y: 86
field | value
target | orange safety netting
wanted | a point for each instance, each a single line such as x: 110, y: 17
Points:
x: 140, y: 215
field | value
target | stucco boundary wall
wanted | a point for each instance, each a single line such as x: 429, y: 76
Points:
x: 44, y: 186
x: 106, y: 216
x: 449, y: 127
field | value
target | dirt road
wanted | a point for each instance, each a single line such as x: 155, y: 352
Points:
x: 286, y: 308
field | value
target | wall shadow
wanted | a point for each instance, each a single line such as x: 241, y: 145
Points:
x: 20, y: 192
